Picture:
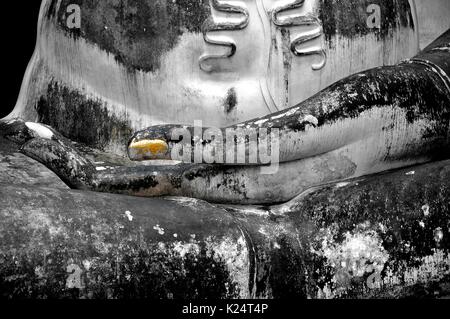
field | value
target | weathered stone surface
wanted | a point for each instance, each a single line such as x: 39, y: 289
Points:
x: 390, y: 230
x: 380, y: 236
x: 432, y: 19
x: 130, y: 64
x: 377, y: 120
x: 16, y: 168
x: 116, y: 247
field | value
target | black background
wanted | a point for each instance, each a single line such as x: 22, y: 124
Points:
x: 18, y: 23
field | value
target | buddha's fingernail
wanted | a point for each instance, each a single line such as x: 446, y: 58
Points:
x: 150, y: 147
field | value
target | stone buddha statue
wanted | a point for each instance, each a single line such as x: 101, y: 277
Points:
x: 320, y: 96
x: 103, y: 70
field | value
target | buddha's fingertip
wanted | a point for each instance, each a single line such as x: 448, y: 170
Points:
x: 148, y: 149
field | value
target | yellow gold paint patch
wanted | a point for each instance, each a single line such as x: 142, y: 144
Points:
x: 154, y: 147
